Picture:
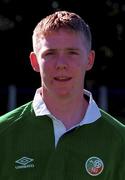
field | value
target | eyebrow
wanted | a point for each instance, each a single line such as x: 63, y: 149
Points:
x: 69, y: 49
x: 74, y: 49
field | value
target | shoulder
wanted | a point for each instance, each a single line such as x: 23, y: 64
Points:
x: 113, y: 124
x: 15, y: 115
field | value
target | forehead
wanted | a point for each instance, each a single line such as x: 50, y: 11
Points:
x: 62, y: 38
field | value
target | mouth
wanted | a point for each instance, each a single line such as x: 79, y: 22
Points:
x: 62, y: 78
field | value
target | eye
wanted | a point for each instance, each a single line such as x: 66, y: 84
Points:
x: 72, y: 52
x: 49, y: 53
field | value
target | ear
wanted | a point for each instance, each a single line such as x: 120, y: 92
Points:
x: 34, y: 62
x: 91, y: 58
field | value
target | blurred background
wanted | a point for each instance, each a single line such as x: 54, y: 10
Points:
x: 106, y: 18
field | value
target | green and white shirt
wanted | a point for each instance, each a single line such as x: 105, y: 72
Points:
x: 91, y: 115
x: 95, y: 150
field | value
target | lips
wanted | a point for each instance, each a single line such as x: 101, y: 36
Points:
x: 62, y: 78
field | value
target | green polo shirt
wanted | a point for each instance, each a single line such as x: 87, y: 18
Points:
x: 92, y: 151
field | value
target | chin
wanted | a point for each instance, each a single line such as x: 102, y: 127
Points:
x: 63, y: 93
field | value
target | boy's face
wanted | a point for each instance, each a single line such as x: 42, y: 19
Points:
x: 62, y: 62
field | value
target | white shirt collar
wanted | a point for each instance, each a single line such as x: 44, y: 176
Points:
x: 91, y: 115
x: 39, y: 106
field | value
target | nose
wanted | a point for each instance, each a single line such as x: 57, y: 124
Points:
x: 61, y: 63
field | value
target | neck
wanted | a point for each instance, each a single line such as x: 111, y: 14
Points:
x: 68, y: 110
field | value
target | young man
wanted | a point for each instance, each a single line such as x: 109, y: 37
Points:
x: 62, y: 134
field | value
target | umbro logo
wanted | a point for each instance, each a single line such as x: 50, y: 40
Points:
x: 24, y: 162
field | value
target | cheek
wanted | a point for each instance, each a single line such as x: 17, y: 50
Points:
x: 78, y: 68
x: 80, y: 73
x: 46, y: 69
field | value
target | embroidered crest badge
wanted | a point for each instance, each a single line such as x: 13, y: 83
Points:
x: 94, y: 166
